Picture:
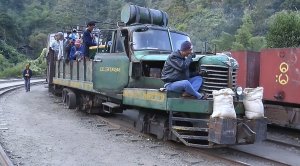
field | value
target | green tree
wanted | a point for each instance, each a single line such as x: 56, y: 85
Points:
x: 291, y: 5
x: 262, y: 10
x: 177, y: 12
x: 244, y: 33
x: 224, y: 43
x: 284, y: 30
x: 237, y: 46
x: 257, y: 43
x: 38, y: 41
x: 204, y: 26
x: 36, y: 17
x: 10, y: 53
x: 9, y: 32
x: 4, y: 64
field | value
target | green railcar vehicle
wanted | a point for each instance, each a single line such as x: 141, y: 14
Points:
x: 125, y: 75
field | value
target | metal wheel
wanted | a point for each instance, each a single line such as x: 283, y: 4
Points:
x: 50, y: 70
x: 64, y: 95
x: 71, y: 100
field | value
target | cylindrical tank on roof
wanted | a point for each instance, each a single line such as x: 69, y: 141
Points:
x: 135, y: 14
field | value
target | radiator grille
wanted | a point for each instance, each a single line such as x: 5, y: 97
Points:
x: 219, y: 78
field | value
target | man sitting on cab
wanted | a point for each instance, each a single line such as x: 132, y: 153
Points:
x: 176, y: 75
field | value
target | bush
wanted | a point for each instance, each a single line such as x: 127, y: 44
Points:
x: 38, y: 67
x: 13, y: 72
x: 284, y: 30
x: 257, y: 43
x: 10, y: 53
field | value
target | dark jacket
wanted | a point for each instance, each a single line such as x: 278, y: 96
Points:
x: 87, y: 41
x: 176, y: 68
x: 29, y: 74
x: 74, y: 49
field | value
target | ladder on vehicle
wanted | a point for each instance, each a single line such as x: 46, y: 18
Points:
x: 190, y: 131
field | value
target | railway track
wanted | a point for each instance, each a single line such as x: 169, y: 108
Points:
x: 5, y: 87
x: 288, y: 138
x: 226, y: 155
x: 278, y: 141
x: 230, y: 156
x: 119, y: 122
x: 257, y: 156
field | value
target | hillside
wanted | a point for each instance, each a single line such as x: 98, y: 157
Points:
x: 230, y: 24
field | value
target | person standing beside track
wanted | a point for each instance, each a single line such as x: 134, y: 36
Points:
x: 176, y: 75
x: 27, y: 73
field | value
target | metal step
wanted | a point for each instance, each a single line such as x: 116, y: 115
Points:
x: 110, y: 107
x: 188, y: 119
x: 183, y: 138
x: 183, y: 128
x: 194, y: 137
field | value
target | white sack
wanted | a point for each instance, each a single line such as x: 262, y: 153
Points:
x: 254, y: 107
x: 223, y: 104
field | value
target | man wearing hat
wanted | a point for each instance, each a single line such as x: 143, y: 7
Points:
x: 88, y: 38
x: 176, y: 75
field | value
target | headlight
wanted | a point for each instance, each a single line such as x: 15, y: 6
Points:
x: 239, y: 90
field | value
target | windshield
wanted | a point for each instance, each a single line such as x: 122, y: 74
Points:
x: 177, y: 39
x: 151, y: 39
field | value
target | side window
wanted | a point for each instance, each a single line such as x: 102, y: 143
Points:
x: 125, y: 40
x: 119, y: 46
x: 119, y: 42
x: 106, y: 41
x: 112, y: 41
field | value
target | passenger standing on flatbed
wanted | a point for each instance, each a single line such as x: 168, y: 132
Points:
x: 60, y: 37
x: 55, y: 45
x: 176, y: 75
x: 88, y: 38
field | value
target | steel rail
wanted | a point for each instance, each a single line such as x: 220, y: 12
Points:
x: 116, y: 123
x: 260, y: 157
x: 280, y: 142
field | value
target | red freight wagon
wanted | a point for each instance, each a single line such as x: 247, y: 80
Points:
x: 248, y: 73
x: 280, y: 74
x: 280, y: 77
x: 277, y: 70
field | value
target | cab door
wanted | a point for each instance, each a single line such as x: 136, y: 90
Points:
x: 111, y: 69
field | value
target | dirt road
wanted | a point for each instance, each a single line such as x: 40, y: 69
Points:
x: 37, y: 130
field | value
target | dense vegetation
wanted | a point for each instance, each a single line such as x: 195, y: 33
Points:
x: 230, y: 24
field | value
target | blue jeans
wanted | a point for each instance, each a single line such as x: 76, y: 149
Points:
x: 190, y: 86
x: 27, y: 84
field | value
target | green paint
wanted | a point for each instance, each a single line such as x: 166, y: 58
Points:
x: 111, y: 72
x: 148, y: 82
x: 219, y: 60
x: 190, y: 105
x: 147, y: 98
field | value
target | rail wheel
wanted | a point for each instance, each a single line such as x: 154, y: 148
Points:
x: 64, y: 96
x: 85, y: 103
x: 71, y: 100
